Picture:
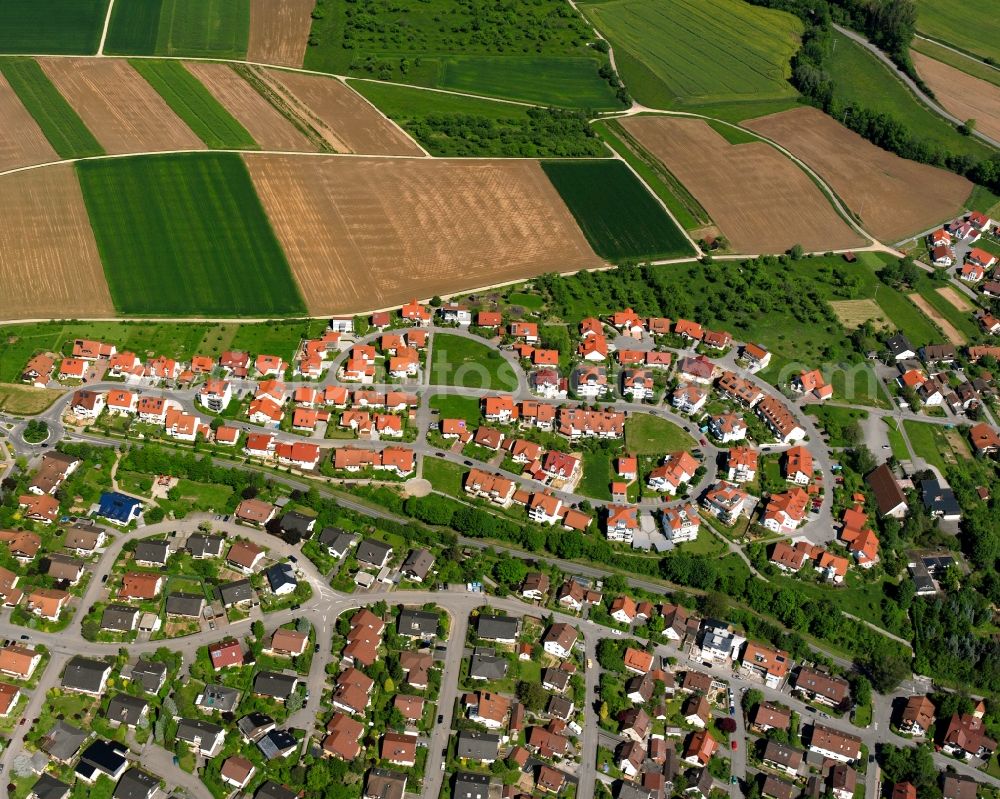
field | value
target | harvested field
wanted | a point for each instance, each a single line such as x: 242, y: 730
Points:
x: 762, y: 202
x: 961, y: 94
x: 853, y: 313
x: 21, y: 140
x: 279, y: 30
x: 47, y: 248
x: 26, y: 400
x: 952, y: 333
x: 895, y: 198
x: 267, y: 126
x: 366, y: 233
x: 956, y: 298
x: 346, y: 120
x: 121, y: 109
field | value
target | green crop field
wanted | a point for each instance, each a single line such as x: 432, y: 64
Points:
x: 950, y: 21
x: 620, y: 219
x: 532, y: 50
x: 51, y: 26
x: 194, y: 28
x: 61, y: 125
x: 860, y: 78
x: 133, y: 28
x: 688, y: 51
x: 193, y: 103
x: 186, y: 235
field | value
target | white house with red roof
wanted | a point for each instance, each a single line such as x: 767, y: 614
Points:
x: 942, y: 256
x: 939, y: 238
x: 622, y: 523
x: 298, y: 454
x: 981, y: 258
x: 681, y: 523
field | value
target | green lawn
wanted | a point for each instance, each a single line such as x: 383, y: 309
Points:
x: 453, y: 406
x: 444, y: 476
x: 619, y: 217
x: 861, y: 78
x: 834, y: 420
x: 532, y: 302
x: 596, y: 480
x: 458, y: 361
x: 195, y: 28
x: 948, y: 20
x: 193, y: 103
x: 967, y: 64
x: 688, y: 51
x: 51, y: 26
x: 186, y: 235
x: 896, y: 442
x: 531, y: 50
x: 61, y: 125
x: 928, y: 442
x: 649, y: 435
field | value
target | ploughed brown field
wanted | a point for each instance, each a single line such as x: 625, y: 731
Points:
x: 22, y: 142
x: 961, y: 94
x: 365, y: 233
x: 893, y: 197
x: 120, y: 108
x: 269, y: 128
x: 48, y: 257
x: 342, y: 116
x: 279, y: 30
x: 762, y: 202
x: 952, y: 333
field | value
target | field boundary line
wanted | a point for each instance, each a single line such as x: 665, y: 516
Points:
x: 104, y: 33
x: 955, y: 50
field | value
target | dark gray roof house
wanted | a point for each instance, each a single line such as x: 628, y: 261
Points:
x: 560, y: 707
x: 218, y: 697
x: 281, y: 578
x: 900, y: 347
x: 102, y: 757
x: 126, y: 709
x: 48, y: 787
x: 254, y: 725
x: 555, y: 679
x: 272, y: 790
x: 274, y: 685
x: 119, y: 618
x: 385, y: 784
x: 236, y: 592
x: 277, y: 743
x: 471, y: 786
x: 63, y: 741
x: 417, y: 565
x: 498, y: 628
x: 180, y: 603
x: 373, y: 553
x: 150, y: 674
x: 337, y: 542
x: 152, y: 553
x: 939, y: 500
x: 481, y: 746
x: 85, y: 675
x: 295, y: 522
x: 205, y: 546
x: 202, y: 735
x: 486, y: 665
x: 136, y: 784
x: 628, y: 790
x: 417, y: 623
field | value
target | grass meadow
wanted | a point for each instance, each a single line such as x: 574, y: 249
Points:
x: 195, y: 28
x: 186, y: 235
x: 51, y: 26
x: 619, y: 217
x: 949, y: 21
x: 860, y: 78
x: 687, y: 51
x: 531, y: 50
x: 193, y: 103
x: 649, y: 435
x: 61, y: 125
x: 460, y: 361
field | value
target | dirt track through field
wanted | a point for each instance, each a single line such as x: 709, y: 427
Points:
x: 279, y: 30
x: 762, y: 202
x: 22, y: 142
x: 956, y: 298
x: 48, y: 257
x: 122, y: 110
x: 264, y: 122
x: 367, y: 233
x: 951, y: 333
x: 894, y: 197
x: 961, y: 94
x: 330, y: 106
